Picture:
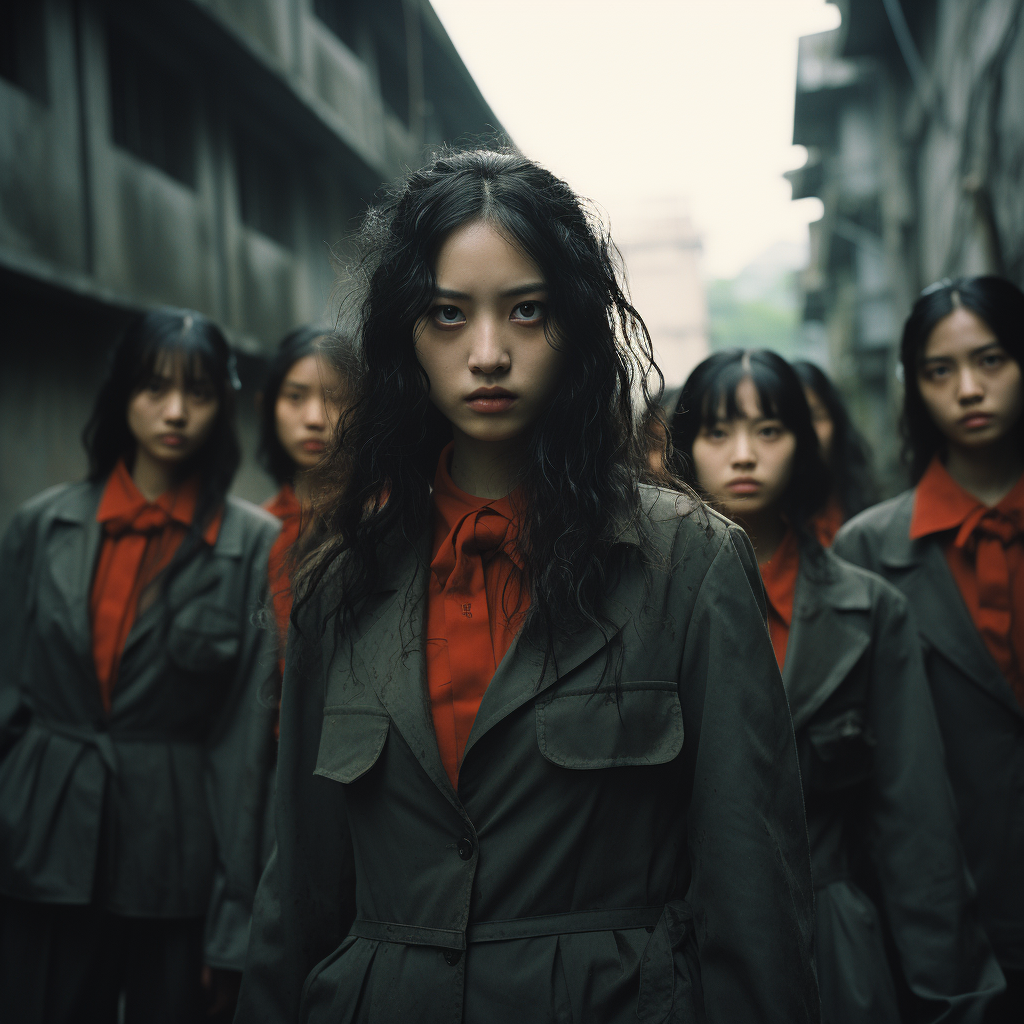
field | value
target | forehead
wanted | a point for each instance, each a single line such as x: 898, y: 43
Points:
x: 313, y: 370
x: 478, y: 258
x: 957, y: 334
x: 177, y: 365
x: 742, y: 403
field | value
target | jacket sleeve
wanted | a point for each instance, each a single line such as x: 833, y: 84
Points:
x: 306, y: 899
x: 926, y: 889
x: 17, y: 549
x: 239, y: 762
x: 750, y: 889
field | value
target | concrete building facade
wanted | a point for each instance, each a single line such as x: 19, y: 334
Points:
x: 912, y: 112
x: 213, y: 154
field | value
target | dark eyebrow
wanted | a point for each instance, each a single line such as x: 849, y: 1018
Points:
x: 995, y: 343
x: 286, y: 383
x: 525, y: 289
x: 520, y: 289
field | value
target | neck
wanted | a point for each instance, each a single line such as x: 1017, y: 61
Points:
x: 151, y: 477
x: 485, y: 469
x: 988, y: 473
x: 302, y: 487
x: 765, y: 530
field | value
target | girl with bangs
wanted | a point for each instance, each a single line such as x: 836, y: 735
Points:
x: 954, y: 545
x: 535, y: 761
x: 310, y: 382
x: 134, y: 756
x: 885, y: 855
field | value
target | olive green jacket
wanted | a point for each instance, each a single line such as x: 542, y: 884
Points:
x: 617, y: 851
x: 884, y: 847
x: 155, y: 809
x: 981, y: 721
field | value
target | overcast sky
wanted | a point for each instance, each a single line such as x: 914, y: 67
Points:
x: 641, y: 101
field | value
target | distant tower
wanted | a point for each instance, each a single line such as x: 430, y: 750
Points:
x: 662, y: 253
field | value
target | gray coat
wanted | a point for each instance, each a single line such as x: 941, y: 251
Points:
x: 982, y: 724
x: 153, y: 810
x: 884, y: 848
x: 606, y: 858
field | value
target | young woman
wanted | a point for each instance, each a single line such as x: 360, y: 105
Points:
x: 844, y: 449
x: 536, y: 762
x: 309, y: 382
x: 954, y: 545
x: 134, y: 756
x: 880, y: 817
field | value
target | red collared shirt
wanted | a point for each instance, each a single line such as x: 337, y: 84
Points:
x: 285, y: 505
x: 827, y: 522
x: 985, y: 550
x: 474, y: 610
x: 140, y: 538
x: 779, y: 575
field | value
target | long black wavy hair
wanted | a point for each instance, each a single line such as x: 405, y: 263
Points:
x: 583, y: 459
x: 304, y: 341
x: 996, y: 301
x: 205, y: 356
x: 853, y: 480
x: 711, y: 388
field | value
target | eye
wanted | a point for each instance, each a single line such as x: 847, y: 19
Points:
x: 155, y: 385
x: 714, y: 433
x: 200, y: 391
x: 993, y: 360
x: 936, y: 372
x: 528, y: 312
x: 770, y: 431
x: 448, y: 316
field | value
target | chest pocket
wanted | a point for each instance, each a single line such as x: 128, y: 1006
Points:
x: 583, y: 728
x: 351, y: 740
x: 843, y: 751
x: 203, y: 638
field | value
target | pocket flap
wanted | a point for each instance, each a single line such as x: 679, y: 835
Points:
x: 847, y: 732
x: 203, y: 638
x: 351, y: 740
x: 640, y: 725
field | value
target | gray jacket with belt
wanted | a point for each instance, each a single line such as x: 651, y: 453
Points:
x: 155, y: 809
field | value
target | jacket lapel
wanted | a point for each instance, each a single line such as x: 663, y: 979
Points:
x: 72, y: 562
x: 523, y: 675
x: 824, y: 644
x: 388, y: 651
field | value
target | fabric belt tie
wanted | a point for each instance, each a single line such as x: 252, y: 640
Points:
x: 83, y: 734
x: 573, y: 922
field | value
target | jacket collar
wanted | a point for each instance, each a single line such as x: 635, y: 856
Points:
x: 388, y: 651
x: 920, y: 569
x: 815, y: 669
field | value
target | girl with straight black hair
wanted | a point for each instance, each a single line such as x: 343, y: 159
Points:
x: 954, y: 544
x: 884, y: 850
x: 134, y: 756
x: 310, y: 381
x: 844, y: 449
x: 535, y: 758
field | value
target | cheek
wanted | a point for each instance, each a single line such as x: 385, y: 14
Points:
x: 707, y: 466
x: 781, y: 463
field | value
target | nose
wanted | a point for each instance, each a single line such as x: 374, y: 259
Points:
x: 175, y: 407
x: 968, y: 386
x: 487, y: 353
x: 315, y: 415
x: 742, y: 451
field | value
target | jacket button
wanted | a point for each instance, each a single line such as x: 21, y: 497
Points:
x: 452, y: 957
x: 465, y: 848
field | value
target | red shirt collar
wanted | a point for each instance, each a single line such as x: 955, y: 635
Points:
x: 284, y: 504
x: 779, y: 575
x: 122, y: 500
x: 941, y: 504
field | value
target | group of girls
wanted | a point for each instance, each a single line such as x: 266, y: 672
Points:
x: 136, y: 758
x: 545, y: 745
